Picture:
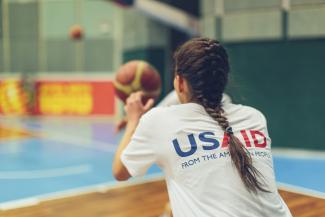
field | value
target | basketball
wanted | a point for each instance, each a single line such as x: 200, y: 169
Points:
x: 76, y: 32
x: 137, y: 76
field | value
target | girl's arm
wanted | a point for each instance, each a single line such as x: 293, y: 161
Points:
x: 119, y: 170
x: 134, y: 110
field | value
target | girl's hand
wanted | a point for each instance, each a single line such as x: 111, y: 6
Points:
x: 134, y: 108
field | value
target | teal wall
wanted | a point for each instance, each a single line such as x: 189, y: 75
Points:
x: 285, y: 80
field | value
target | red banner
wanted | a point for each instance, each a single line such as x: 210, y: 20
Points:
x: 58, y: 98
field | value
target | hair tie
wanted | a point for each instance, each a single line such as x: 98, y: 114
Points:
x: 229, y: 130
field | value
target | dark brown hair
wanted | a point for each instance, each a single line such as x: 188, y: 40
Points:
x: 204, y: 64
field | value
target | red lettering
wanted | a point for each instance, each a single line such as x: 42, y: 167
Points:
x: 258, y: 145
x: 246, y: 139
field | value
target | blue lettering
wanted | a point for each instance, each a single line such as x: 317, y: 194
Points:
x: 190, y: 163
x: 214, y: 142
x: 186, y: 153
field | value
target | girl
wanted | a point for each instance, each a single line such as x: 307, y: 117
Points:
x: 216, y: 157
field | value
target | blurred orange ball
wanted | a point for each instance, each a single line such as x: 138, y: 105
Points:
x: 137, y: 75
x: 76, y: 32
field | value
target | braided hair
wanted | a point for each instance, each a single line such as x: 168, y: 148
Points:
x: 204, y: 64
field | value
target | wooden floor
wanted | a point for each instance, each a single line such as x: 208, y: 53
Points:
x: 145, y: 200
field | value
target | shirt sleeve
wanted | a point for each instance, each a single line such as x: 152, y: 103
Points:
x: 140, y: 154
x: 265, y: 128
x: 170, y: 99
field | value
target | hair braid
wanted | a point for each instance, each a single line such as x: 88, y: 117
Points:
x: 204, y: 63
x: 239, y: 154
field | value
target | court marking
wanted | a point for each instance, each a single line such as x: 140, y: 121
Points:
x: 285, y: 154
x: 298, y: 153
x: 81, y: 143
x: 70, y: 140
x: 46, y: 173
x: 300, y: 190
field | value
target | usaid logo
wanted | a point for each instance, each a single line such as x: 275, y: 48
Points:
x: 207, y: 141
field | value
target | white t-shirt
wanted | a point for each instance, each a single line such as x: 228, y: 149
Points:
x: 191, y: 149
x: 172, y: 99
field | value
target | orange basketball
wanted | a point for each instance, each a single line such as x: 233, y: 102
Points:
x: 76, y: 32
x: 137, y: 76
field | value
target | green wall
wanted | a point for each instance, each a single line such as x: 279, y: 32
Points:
x: 40, y: 42
x: 285, y: 80
x: 1, y: 36
x: 23, y: 31
x: 240, y: 5
x: 96, y: 52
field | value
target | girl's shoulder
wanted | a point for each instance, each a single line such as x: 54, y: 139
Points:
x: 248, y: 112
x: 154, y: 114
x: 164, y: 113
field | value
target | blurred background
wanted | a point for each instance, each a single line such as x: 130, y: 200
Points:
x: 59, y: 58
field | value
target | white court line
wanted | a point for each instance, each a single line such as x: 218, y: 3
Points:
x: 104, y: 187
x: 19, y: 204
x: 99, y: 188
x: 301, y: 190
x: 298, y: 153
x: 79, y: 142
x: 46, y: 173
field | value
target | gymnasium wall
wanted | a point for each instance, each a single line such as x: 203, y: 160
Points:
x: 23, y: 31
x: 146, y: 39
x: 39, y: 37
x: 285, y: 80
x: 1, y: 36
x: 277, y: 59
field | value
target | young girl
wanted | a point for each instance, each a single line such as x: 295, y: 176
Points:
x: 216, y: 157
